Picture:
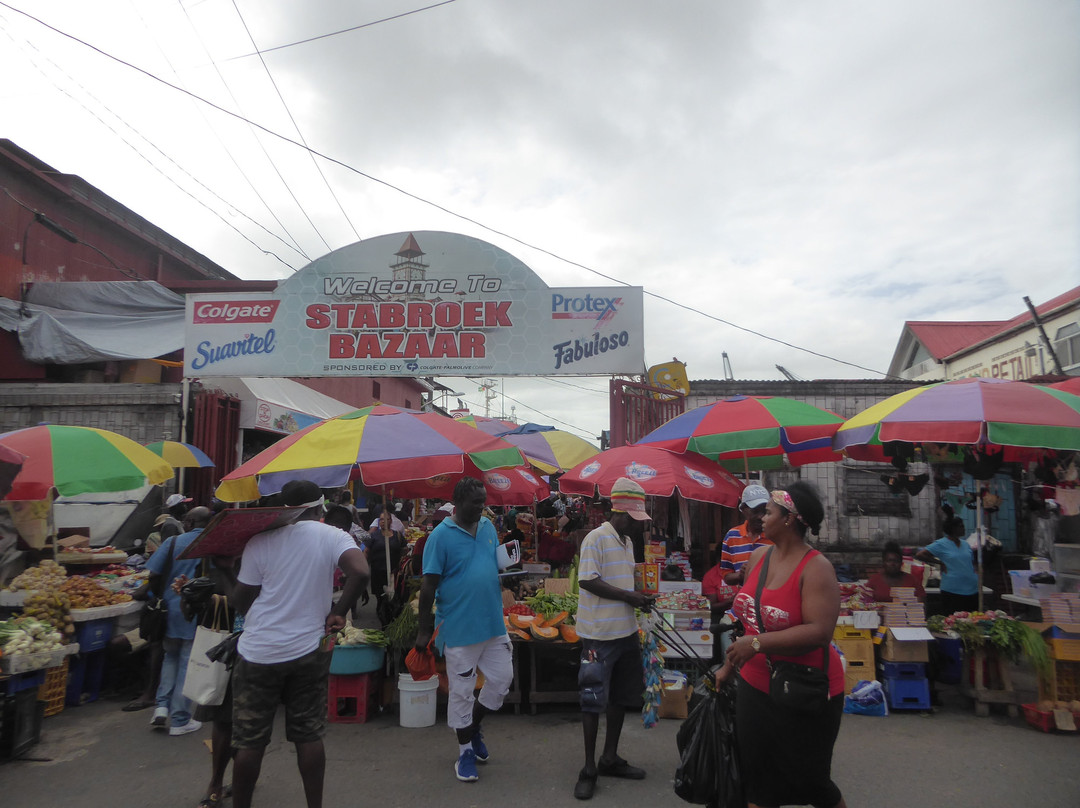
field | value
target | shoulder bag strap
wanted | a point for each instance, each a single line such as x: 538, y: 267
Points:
x: 165, y: 580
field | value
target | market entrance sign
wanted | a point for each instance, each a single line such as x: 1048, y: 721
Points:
x: 416, y: 304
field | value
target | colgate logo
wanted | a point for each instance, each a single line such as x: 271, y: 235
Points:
x: 236, y: 311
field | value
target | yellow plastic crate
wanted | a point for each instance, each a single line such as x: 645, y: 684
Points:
x: 852, y: 633
x: 53, y: 691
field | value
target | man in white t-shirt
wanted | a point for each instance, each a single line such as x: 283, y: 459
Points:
x: 285, y: 589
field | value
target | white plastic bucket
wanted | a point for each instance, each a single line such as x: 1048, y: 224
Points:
x: 417, y: 701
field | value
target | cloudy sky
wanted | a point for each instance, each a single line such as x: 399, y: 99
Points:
x: 818, y: 172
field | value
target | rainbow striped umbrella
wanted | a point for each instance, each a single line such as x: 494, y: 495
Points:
x: 751, y: 432
x: 181, y: 455
x: 549, y: 449
x: 974, y: 411
x: 381, y: 445
x: 79, y: 460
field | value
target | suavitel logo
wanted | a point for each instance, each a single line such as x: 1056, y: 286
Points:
x: 235, y: 311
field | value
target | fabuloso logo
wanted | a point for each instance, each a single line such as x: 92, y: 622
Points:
x: 235, y: 311
x: 600, y: 309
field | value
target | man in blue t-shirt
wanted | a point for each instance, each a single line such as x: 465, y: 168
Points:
x: 461, y: 579
x: 179, y: 631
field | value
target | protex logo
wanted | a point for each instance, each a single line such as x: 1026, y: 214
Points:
x: 600, y: 309
x: 235, y: 311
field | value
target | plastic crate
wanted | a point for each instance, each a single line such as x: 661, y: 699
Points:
x: 352, y: 698
x: 1067, y: 650
x: 857, y: 650
x: 23, y: 681
x: 84, y: 678
x: 907, y: 694
x: 20, y: 726
x: 1063, y: 683
x: 54, y: 690
x: 903, y: 670
x: 951, y: 660
x: 1040, y: 719
x: 93, y: 635
x: 852, y: 633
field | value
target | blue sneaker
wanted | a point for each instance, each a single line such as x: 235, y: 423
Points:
x: 479, y: 747
x: 465, y: 768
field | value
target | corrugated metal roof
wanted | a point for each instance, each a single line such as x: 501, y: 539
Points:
x: 942, y: 339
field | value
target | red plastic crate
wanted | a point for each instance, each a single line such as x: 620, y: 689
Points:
x: 352, y: 698
x: 1040, y: 719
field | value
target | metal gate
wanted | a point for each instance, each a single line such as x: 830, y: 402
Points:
x: 215, y: 429
x: 637, y: 409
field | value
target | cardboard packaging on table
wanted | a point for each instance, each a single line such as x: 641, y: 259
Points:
x: 905, y: 644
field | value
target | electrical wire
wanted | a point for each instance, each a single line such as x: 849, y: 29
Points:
x: 336, y: 33
x: 448, y: 211
x: 151, y: 163
x: 296, y: 126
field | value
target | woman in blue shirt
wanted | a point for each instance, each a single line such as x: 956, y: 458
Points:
x: 959, y: 582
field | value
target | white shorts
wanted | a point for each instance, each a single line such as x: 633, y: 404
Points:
x: 495, y: 658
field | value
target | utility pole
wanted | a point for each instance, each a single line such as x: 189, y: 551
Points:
x: 488, y: 388
x: 1042, y: 333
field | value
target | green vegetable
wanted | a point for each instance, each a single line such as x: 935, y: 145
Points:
x: 401, y: 633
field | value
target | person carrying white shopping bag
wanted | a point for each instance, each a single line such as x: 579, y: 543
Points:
x: 206, y: 680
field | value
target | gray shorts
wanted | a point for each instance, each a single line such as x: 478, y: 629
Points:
x: 611, y: 673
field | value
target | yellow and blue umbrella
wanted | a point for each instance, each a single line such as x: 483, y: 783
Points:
x: 181, y: 455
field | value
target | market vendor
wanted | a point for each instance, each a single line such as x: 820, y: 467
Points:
x: 740, y: 542
x: 893, y: 575
x: 959, y: 581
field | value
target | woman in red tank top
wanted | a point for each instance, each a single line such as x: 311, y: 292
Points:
x: 786, y: 756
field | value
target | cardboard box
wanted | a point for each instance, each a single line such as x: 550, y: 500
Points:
x: 73, y: 541
x: 646, y: 577
x: 679, y: 586
x: 906, y: 645
x: 675, y: 703
x: 557, y: 586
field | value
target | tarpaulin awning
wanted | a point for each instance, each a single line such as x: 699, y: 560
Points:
x: 78, y: 322
x: 279, y: 405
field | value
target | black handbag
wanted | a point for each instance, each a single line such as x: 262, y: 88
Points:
x: 155, y: 615
x: 792, y: 685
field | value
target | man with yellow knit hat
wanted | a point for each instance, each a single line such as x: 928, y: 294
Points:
x: 611, y: 676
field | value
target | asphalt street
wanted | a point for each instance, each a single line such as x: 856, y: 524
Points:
x: 97, y: 755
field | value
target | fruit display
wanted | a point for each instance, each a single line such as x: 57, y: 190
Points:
x: 683, y: 601
x: 25, y: 635
x: 48, y: 575
x: 52, y: 607
x: 87, y: 594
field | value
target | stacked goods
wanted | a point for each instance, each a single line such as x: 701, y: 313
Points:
x: 25, y: 635
x: 855, y: 597
x: 682, y: 601
x: 1061, y: 607
x: 906, y: 685
x: 48, y: 575
x: 86, y: 594
x: 52, y: 607
x: 905, y: 609
x: 682, y: 561
x: 857, y: 646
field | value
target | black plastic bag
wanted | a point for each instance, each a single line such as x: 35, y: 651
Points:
x: 226, y: 651
x: 708, y: 770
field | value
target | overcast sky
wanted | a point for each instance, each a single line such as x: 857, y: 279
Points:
x: 819, y: 172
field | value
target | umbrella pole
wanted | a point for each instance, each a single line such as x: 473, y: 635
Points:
x: 746, y: 467
x: 389, y: 588
x: 979, y: 540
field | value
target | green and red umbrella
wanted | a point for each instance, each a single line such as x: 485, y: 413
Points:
x: 975, y: 411
x: 752, y: 432
x: 181, y: 455
x: 78, y: 460
x: 382, y: 445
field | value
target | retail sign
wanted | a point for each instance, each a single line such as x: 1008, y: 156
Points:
x: 416, y: 304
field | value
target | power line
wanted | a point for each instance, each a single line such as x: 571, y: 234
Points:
x: 335, y: 33
x: 150, y: 162
x: 296, y: 126
x: 446, y: 210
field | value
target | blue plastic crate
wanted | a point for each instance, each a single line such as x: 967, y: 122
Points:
x: 907, y: 694
x: 84, y: 678
x: 19, y: 682
x: 903, y: 670
x: 950, y: 661
x: 93, y: 635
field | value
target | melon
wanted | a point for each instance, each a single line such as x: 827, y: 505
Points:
x: 555, y: 619
x: 569, y: 633
x: 523, y: 621
x: 543, y: 633
x: 517, y: 632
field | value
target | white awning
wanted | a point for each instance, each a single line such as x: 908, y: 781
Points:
x: 278, y: 405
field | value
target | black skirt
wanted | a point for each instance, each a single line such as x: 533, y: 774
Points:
x: 786, y: 756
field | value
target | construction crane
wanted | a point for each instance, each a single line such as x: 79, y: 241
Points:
x: 728, y: 375
x: 791, y: 377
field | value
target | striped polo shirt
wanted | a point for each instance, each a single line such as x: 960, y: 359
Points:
x: 606, y: 556
x: 738, y: 547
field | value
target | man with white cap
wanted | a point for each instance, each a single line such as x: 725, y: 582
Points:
x: 611, y: 675
x: 176, y: 508
x: 740, y: 542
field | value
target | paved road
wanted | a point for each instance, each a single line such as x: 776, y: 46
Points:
x: 96, y: 755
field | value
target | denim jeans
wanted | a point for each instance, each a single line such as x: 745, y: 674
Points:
x: 170, y: 693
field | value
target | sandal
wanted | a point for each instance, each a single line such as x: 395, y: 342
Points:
x: 210, y: 802
x: 620, y: 768
x: 136, y: 705
x: 586, y: 785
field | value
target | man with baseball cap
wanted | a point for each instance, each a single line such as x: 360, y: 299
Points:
x: 176, y: 508
x: 610, y: 676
